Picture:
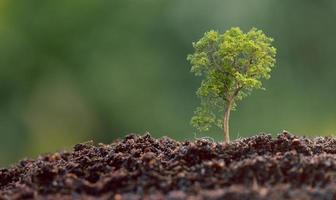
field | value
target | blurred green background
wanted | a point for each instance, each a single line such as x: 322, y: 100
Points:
x: 71, y: 71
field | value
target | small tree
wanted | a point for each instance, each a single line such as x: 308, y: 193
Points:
x: 232, y: 64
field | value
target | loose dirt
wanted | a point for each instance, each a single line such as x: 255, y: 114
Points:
x: 141, y: 167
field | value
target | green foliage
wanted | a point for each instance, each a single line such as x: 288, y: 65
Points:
x: 232, y: 64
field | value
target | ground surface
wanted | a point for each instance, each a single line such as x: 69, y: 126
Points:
x: 141, y: 167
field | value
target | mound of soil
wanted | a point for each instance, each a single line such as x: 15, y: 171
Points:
x: 141, y: 167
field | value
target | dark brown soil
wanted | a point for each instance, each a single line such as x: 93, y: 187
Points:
x: 141, y: 167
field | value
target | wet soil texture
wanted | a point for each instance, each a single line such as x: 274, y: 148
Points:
x: 141, y: 167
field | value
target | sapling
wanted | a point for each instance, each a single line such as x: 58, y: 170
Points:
x: 233, y: 64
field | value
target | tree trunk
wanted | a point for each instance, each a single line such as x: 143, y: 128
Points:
x: 226, y: 122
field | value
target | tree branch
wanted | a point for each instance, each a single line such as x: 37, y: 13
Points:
x: 237, y: 90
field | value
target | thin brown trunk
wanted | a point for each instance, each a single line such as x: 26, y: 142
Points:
x: 226, y: 127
